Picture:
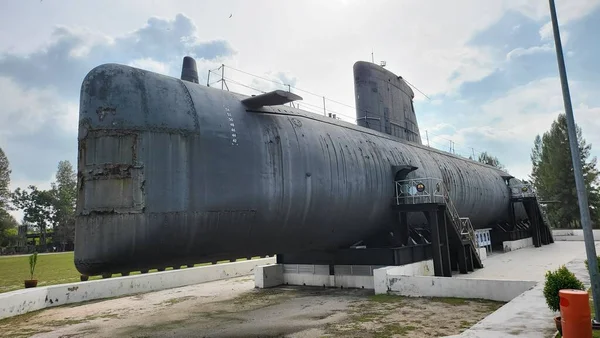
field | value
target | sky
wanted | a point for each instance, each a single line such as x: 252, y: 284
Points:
x: 487, y: 68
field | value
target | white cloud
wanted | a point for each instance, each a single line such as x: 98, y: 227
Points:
x: 547, y: 33
x: 27, y: 111
x: 567, y: 11
x: 507, y: 125
x: 151, y: 65
x: 520, y: 51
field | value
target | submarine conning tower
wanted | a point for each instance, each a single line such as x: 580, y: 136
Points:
x: 384, y: 102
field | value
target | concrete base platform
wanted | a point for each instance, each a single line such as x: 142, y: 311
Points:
x: 413, y: 280
x: 344, y: 276
x: 518, y: 244
x: 22, y: 301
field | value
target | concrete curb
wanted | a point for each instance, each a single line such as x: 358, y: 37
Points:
x: 573, y: 234
x: 469, y: 288
x: 22, y: 301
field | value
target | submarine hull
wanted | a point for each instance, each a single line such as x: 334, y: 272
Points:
x: 173, y: 173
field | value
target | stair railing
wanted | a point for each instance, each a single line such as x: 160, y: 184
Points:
x: 468, y: 231
x: 462, y: 224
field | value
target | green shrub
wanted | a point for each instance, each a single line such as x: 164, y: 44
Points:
x: 586, y: 264
x: 558, y: 280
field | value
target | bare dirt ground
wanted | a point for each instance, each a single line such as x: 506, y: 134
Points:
x: 233, y: 308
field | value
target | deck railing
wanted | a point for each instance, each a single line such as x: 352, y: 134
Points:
x: 420, y: 190
x: 522, y: 190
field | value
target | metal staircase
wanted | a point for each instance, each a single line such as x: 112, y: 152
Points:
x: 541, y: 232
x: 428, y: 191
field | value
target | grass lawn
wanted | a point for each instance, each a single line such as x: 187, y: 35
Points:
x: 55, y: 268
x: 50, y: 269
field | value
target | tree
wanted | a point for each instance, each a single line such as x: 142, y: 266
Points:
x: 4, y: 181
x: 553, y: 177
x: 7, y: 221
x: 490, y: 160
x: 38, y: 209
x: 8, y: 229
x: 64, y: 192
x: 51, y: 209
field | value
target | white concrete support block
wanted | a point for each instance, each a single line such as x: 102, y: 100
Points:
x: 428, y: 286
x: 482, y: 253
x: 354, y: 276
x: 345, y: 276
x: 380, y: 276
x: 380, y: 282
x: 23, y: 301
x: 268, y: 276
x: 423, y: 268
x: 354, y: 282
x: 307, y: 274
x: 518, y: 244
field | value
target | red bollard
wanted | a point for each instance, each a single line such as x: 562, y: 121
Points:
x: 576, y: 318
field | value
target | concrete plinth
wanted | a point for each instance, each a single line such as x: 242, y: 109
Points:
x: 482, y: 253
x: 380, y: 276
x: 267, y: 276
x: 345, y: 276
x: 518, y: 244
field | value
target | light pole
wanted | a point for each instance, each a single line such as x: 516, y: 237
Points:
x: 584, y: 210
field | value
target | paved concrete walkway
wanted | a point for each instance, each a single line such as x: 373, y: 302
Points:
x: 529, y: 263
x: 528, y: 315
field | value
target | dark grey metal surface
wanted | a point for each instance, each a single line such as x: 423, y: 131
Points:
x: 172, y: 173
x: 189, y: 72
x: 384, y: 102
x: 274, y: 98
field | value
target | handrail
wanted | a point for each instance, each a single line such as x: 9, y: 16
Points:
x: 467, y: 228
x: 420, y: 190
x: 522, y: 190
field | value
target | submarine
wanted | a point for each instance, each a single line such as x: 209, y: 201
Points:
x: 172, y: 172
